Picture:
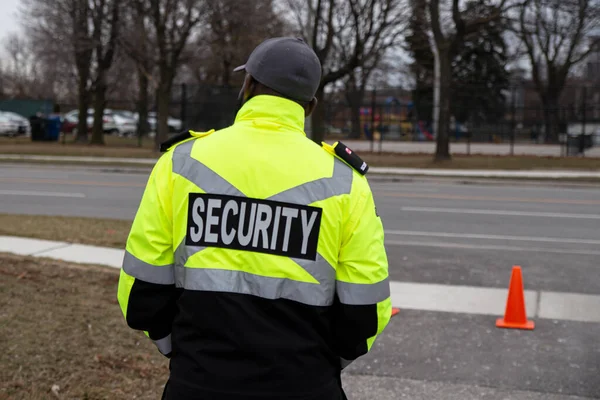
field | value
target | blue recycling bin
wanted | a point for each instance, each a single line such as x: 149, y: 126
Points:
x: 53, y: 127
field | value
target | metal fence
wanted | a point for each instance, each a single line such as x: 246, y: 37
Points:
x: 391, y: 115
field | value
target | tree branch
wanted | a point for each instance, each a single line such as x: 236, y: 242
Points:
x: 434, y: 14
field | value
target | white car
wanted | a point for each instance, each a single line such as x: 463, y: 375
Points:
x: 23, y: 125
x: 108, y: 122
x: 8, y: 127
x: 124, y: 125
x: 173, y: 123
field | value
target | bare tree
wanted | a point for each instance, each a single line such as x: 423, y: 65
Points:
x: 346, y: 35
x: 27, y: 73
x: 173, y: 22
x: 83, y: 49
x: 235, y: 29
x: 444, y: 44
x: 19, y: 66
x: 139, y: 46
x: 105, y: 20
x: 63, y: 26
x: 555, y: 35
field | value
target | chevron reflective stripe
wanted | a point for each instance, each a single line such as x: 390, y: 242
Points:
x: 164, y: 345
x: 222, y: 280
x: 162, y: 275
x: 199, y: 174
x: 362, y: 293
x: 321, y: 189
x: 307, y: 193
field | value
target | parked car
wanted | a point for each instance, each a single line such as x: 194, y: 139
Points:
x: 109, y: 124
x: 8, y: 127
x: 123, y: 124
x: 173, y: 123
x: 22, y: 124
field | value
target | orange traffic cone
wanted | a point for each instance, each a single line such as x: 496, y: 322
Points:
x: 515, y: 316
x: 395, y: 311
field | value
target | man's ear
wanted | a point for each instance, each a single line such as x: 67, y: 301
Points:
x: 310, y: 107
x: 247, y: 89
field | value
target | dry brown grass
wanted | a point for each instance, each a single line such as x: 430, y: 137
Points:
x: 94, y: 231
x: 115, y: 147
x: 60, y: 324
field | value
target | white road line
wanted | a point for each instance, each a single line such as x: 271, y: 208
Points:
x: 393, y: 189
x: 492, y: 237
x: 500, y: 212
x: 41, y: 194
x: 491, y: 247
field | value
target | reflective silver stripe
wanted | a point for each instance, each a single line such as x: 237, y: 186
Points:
x: 339, y: 183
x: 162, y: 274
x: 183, y: 252
x: 362, y: 293
x: 164, y: 345
x: 320, y: 269
x: 199, y: 174
x: 219, y: 280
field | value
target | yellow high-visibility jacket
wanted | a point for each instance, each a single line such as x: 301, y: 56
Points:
x: 256, y: 260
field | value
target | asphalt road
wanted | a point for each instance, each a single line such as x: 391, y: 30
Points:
x: 437, y: 232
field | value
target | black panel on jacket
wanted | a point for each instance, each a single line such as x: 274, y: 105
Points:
x: 353, y: 323
x: 152, y: 308
x: 239, y: 346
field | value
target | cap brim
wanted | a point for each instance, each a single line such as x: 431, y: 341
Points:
x: 240, y: 68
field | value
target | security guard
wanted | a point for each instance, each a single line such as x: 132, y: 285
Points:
x: 256, y: 260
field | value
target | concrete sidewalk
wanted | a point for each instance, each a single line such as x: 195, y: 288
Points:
x: 380, y: 171
x: 405, y: 295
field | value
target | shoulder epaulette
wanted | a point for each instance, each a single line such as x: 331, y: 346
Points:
x: 180, y: 137
x: 342, y: 151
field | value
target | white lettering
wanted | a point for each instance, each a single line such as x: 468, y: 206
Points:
x: 211, y: 220
x: 232, y: 206
x: 261, y: 226
x: 275, y: 228
x: 288, y: 213
x: 245, y: 239
x: 196, y: 231
x: 306, y: 228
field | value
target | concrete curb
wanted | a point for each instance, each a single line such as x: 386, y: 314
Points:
x: 406, y: 295
x: 380, y: 171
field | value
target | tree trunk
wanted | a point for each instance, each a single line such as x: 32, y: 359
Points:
x: 443, y: 77
x: 142, y: 107
x: 551, y: 117
x: 317, y: 120
x: 163, y: 99
x: 99, y: 100
x: 355, y: 99
x: 83, y: 100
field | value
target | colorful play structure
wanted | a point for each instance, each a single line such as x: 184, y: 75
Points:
x: 393, y: 119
